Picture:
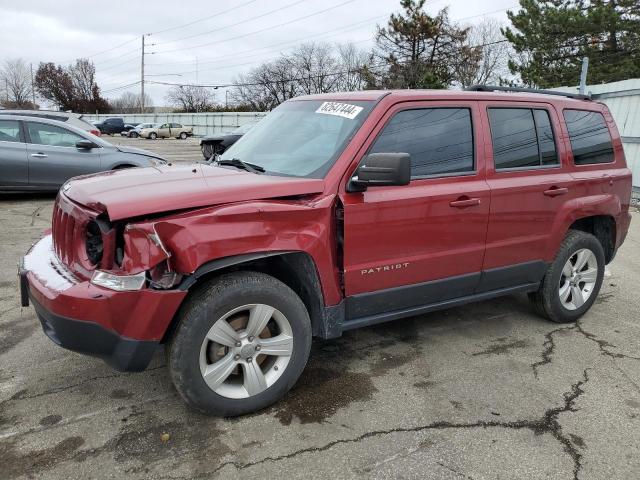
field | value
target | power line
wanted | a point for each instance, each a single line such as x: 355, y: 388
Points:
x: 102, y: 51
x: 270, y: 12
x: 346, y: 28
x: 297, y: 19
x: 121, y: 87
x: 188, y: 24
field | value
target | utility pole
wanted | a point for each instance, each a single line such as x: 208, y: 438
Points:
x: 33, y: 90
x: 142, y: 78
x: 583, y: 74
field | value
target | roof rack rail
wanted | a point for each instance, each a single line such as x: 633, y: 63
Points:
x: 496, y: 88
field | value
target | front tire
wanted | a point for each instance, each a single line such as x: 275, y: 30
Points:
x: 241, y: 343
x: 153, y: 135
x: 183, y: 136
x: 573, y: 280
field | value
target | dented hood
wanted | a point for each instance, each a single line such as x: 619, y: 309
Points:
x: 142, y: 191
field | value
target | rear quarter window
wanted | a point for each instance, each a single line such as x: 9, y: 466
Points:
x: 589, y: 136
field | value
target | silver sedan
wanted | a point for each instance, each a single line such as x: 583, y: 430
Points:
x: 38, y: 154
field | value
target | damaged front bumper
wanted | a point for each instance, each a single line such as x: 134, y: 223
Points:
x: 121, y: 327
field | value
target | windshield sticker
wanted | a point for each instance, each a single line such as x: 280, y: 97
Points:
x: 340, y: 109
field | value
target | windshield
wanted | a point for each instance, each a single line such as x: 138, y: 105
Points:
x: 300, y: 138
x: 242, y: 129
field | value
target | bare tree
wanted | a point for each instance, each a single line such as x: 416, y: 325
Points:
x: 129, y: 102
x: 492, y: 64
x: 190, y: 98
x: 352, y: 63
x: 313, y: 66
x: 310, y: 68
x: 15, y: 78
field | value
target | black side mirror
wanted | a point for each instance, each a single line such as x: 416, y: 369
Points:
x: 85, y: 145
x: 381, y: 169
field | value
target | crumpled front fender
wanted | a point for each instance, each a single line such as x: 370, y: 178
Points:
x: 143, y: 248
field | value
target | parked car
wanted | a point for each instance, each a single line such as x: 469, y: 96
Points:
x: 167, y: 130
x: 128, y: 127
x: 37, y: 154
x: 111, y: 126
x: 217, y: 144
x: 335, y: 212
x: 135, y: 131
x: 75, y: 119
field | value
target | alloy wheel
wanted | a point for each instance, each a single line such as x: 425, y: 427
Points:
x: 578, y: 279
x: 246, y: 351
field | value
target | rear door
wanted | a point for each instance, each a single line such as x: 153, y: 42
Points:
x: 176, y: 128
x: 53, y: 156
x: 424, y: 242
x: 530, y: 182
x: 14, y: 171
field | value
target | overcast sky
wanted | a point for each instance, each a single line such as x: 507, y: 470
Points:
x: 208, y: 42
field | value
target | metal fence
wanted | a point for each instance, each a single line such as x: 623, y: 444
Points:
x: 208, y: 123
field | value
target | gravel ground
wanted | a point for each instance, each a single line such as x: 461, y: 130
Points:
x: 484, y: 391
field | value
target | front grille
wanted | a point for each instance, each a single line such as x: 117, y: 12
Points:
x: 69, y: 223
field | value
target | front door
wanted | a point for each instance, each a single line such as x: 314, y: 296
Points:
x: 53, y: 156
x: 421, y: 243
x: 13, y: 155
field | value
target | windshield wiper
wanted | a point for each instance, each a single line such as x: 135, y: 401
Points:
x: 236, y: 162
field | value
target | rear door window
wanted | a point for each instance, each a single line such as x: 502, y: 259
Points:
x: 522, y: 138
x: 590, y: 137
x: 10, y: 131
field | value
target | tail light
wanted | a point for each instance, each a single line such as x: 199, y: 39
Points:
x: 95, y: 132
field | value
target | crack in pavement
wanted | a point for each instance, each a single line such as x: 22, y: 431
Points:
x: 453, y: 470
x: 36, y: 213
x: 602, y: 344
x: 21, y: 395
x: 547, y: 424
x: 549, y: 346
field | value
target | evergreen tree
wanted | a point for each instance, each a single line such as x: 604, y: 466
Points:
x: 419, y: 51
x: 551, y: 37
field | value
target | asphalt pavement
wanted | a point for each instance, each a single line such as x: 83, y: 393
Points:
x: 484, y: 391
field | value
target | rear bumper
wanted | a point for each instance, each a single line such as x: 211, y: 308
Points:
x: 122, y: 328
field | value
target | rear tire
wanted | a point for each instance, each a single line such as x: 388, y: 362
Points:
x: 217, y: 361
x: 133, y: 135
x: 573, y: 280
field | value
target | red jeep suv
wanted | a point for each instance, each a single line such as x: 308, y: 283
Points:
x: 335, y: 212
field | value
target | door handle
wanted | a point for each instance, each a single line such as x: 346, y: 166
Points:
x: 39, y: 155
x: 464, y: 202
x: 556, y: 191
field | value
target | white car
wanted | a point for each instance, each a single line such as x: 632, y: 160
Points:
x: 135, y: 132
